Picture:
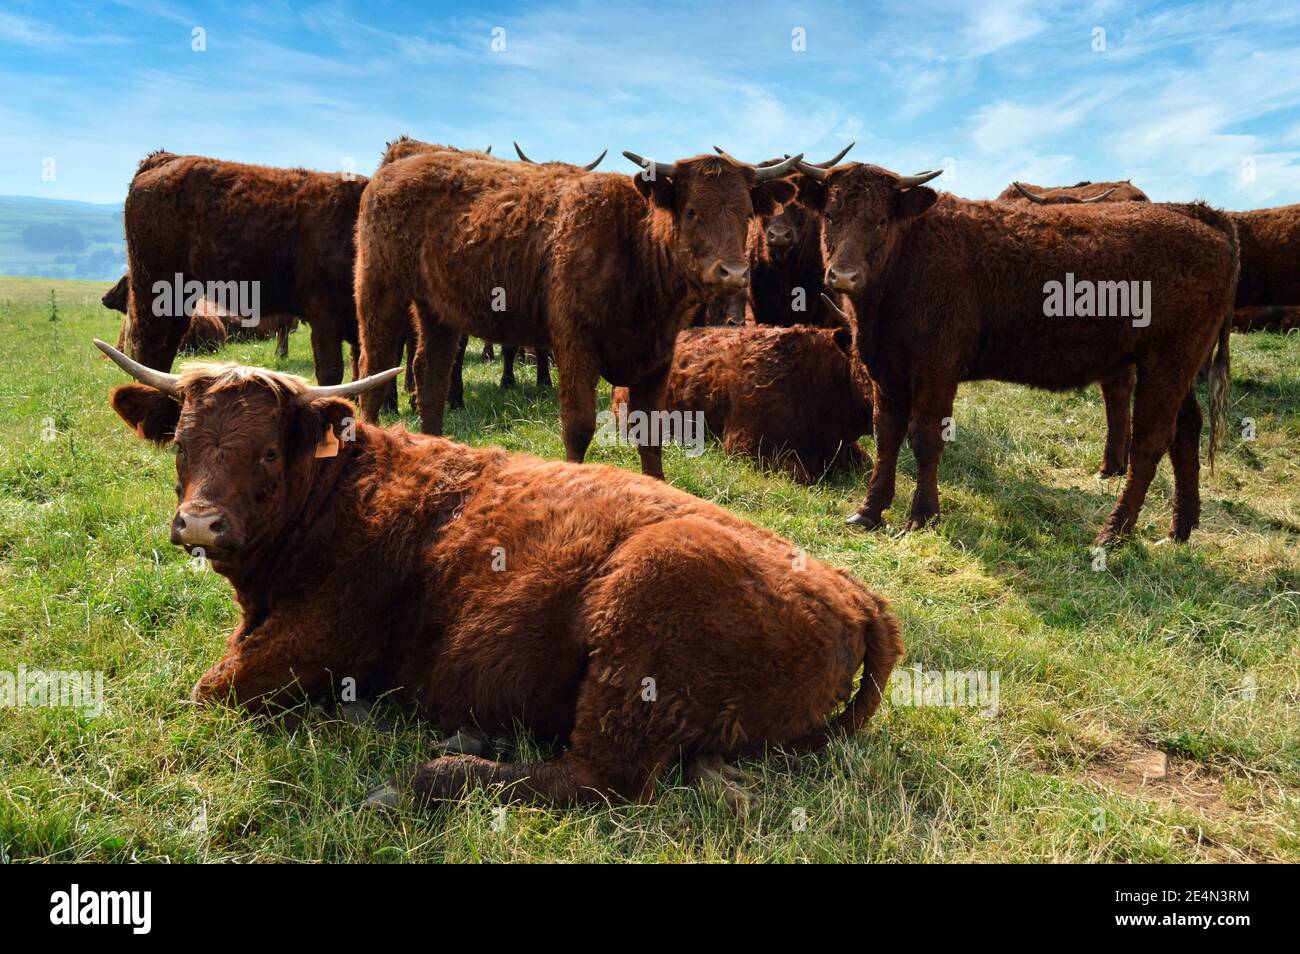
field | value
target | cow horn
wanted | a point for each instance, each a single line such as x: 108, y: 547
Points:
x: 522, y: 156
x: 1027, y: 194
x: 1098, y: 198
x: 487, y: 151
x: 835, y: 309
x: 158, y: 380
x: 352, y: 388
x: 815, y: 171
x: 838, y: 156
x: 763, y: 173
x: 908, y: 182
x: 655, y: 169
x: 592, y: 165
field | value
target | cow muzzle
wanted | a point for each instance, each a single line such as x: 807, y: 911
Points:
x: 780, y: 237
x: 724, y: 277
x: 206, y: 529
x: 844, y: 279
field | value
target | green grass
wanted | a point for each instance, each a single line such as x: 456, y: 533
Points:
x: 1153, y: 652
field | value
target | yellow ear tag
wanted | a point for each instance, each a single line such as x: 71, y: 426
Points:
x: 329, y: 444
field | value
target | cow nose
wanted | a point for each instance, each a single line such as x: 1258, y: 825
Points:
x: 779, y: 236
x: 730, y: 276
x: 843, y: 279
x: 197, y: 528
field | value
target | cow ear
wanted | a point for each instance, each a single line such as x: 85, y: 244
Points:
x: 769, y: 196
x: 843, y: 339
x: 323, y: 421
x: 658, y: 190
x: 913, y: 201
x: 149, y: 412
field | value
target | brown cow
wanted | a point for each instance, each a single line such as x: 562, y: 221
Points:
x: 289, y: 230
x: 1270, y: 256
x: 1117, y: 390
x: 791, y: 397
x: 601, y: 269
x: 631, y: 621
x: 947, y: 290
x: 1266, y: 317
x: 1081, y: 192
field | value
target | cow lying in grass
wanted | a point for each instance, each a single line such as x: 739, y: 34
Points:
x: 793, y: 397
x: 633, y: 622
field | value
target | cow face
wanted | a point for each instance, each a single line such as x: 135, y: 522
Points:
x: 246, y: 447
x: 786, y: 228
x: 863, y: 211
x: 710, y: 200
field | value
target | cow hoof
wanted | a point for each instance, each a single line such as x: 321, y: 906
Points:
x: 1106, y: 473
x: 387, y: 797
x: 864, y: 521
x: 464, y: 742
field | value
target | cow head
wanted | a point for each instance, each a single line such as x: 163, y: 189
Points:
x: 245, y: 443
x: 862, y: 207
x: 708, y: 202
x: 1068, y: 195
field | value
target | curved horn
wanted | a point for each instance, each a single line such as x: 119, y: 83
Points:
x: 352, y: 388
x: 838, y: 156
x: 487, y: 151
x: 815, y: 171
x: 1098, y: 198
x: 592, y: 165
x: 655, y: 169
x: 159, y: 380
x: 1027, y: 194
x: 908, y: 182
x: 522, y: 156
x: 763, y: 173
x: 835, y: 309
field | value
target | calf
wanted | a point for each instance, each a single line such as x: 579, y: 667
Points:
x: 633, y: 622
x: 945, y: 290
x: 791, y: 397
x: 601, y: 269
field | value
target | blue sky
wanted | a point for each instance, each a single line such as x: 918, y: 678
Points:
x: 1188, y: 100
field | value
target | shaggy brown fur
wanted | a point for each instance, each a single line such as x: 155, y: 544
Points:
x: 1270, y: 256
x: 602, y: 269
x: 791, y: 397
x: 210, y: 220
x: 948, y: 290
x: 1125, y: 191
x: 629, y: 620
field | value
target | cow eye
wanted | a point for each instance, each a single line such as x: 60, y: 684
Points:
x: 690, y: 215
x: 270, y: 455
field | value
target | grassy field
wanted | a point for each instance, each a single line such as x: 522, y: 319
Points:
x: 1190, y: 651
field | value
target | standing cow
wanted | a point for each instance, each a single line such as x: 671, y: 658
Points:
x: 1270, y: 265
x: 207, y: 220
x: 601, y: 269
x: 946, y: 290
x: 629, y: 620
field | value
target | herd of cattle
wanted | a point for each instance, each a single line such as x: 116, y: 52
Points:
x: 849, y: 300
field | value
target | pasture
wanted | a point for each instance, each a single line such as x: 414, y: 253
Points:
x: 1186, y: 652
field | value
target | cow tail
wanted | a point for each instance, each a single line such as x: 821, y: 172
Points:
x: 1220, y: 383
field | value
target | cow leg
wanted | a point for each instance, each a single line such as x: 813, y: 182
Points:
x: 890, y: 413
x: 646, y: 397
x: 543, y: 368
x: 1117, y: 393
x: 1155, y: 412
x: 326, y: 347
x: 1185, y: 456
x: 435, y: 353
x: 508, y: 355
x: 282, y: 340
x: 577, y: 406
x: 488, y: 354
x: 932, y: 407
x: 382, y: 325
x: 456, y: 393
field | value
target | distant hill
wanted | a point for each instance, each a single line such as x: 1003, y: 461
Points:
x: 56, y: 238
